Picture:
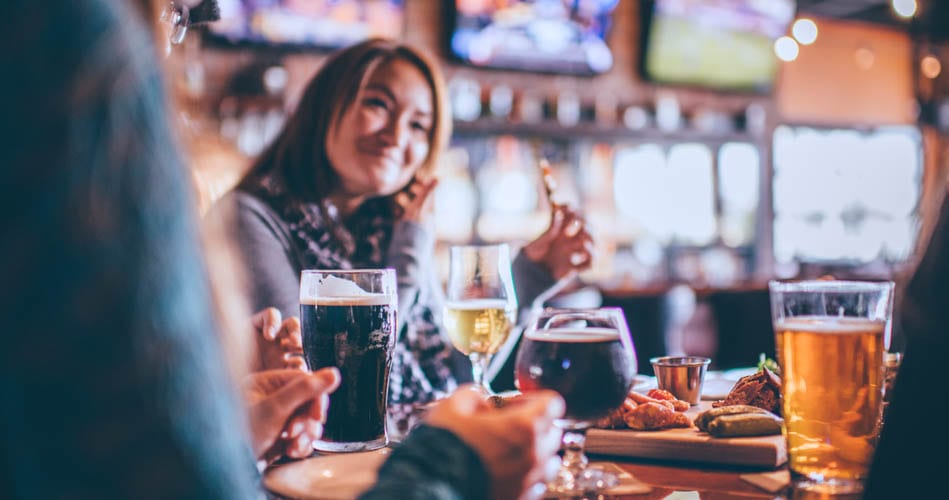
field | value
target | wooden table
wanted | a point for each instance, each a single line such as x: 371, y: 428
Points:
x: 712, y: 482
x: 709, y: 481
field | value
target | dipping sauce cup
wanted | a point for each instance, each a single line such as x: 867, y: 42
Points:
x: 683, y: 376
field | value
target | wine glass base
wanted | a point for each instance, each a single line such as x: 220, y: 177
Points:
x: 483, y: 386
x: 590, y: 480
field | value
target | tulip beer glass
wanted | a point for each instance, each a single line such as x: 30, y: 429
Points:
x: 587, y: 357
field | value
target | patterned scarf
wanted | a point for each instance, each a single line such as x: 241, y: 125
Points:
x: 421, y: 359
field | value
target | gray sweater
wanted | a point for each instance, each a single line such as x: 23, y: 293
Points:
x: 275, y: 262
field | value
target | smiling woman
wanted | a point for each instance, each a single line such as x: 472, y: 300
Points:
x: 384, y: 137
x: 345, y: 186
x: 352, y: 103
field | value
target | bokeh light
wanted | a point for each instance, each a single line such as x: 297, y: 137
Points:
x: 786, y: 48
x: 805, y: 31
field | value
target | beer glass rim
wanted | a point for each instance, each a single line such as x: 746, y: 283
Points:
x: 385, y: 271
x: 838, y: 286
x: 580, y: 309
x: 550, y: 311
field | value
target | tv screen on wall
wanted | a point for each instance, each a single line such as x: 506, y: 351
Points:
x: 556, y: 36
x: 719, y: 44
x: 305, y: 24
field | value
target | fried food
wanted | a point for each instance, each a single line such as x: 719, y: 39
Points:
x: 617, y: 418
x: 763, y: 389
x: 663, y: 395
x: 645, y: 413
x: 653, y: 416
x: 643, y: 399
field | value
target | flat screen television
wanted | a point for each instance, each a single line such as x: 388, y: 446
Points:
x: 305, y: 24
x: 552, y: 36
x: 724, y: 45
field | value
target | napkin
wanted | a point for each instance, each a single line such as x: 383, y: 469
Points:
x: 772, y: 482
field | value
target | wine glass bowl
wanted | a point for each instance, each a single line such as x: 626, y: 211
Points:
x: 587, y: 356
x: 481, y: 306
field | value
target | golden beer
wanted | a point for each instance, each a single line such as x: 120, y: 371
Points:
x: 478, y: 325
x: 832, y: 371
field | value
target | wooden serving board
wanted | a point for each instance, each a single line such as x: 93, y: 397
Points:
x: 689, y: 445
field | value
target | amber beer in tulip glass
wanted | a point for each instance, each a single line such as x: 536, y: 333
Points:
x: 831, y: 338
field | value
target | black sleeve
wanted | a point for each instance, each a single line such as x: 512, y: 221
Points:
x: 906, y: 463
x: 431, y: 464
x: 112, y: 380
x: 530, y: 280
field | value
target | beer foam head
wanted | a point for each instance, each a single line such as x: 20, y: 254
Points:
x: 371, y: 299
x: 593, y: 334
x: 338, y: 291
x: 830, y: 324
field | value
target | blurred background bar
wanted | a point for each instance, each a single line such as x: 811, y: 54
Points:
x: 711, y: 144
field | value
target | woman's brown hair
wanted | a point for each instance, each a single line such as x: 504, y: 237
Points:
x: 297, y: 157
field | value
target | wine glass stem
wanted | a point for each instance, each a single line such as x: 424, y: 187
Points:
x: 479, y: 364
x: 574, y: 460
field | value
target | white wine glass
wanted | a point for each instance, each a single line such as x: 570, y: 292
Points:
x: 481, y: 306
x: 587, y: 356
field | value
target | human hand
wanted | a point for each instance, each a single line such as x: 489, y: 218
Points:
x: 518, y: 443
x: 287, y: 409
x: 411, y: 200
x: 279, y: 344
x: 566, y: 246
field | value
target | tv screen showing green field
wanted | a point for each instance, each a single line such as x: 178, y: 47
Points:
x: 722, y: 44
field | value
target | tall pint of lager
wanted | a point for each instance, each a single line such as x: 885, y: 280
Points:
x: 830, y: 338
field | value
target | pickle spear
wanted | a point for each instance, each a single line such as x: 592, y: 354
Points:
x: 703, y: 419
x: 745, y: 424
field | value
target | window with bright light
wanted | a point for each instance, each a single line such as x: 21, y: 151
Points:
x: 845, y: 195
x: 691, y: 204
x: 668, y: 195
x: 639, y: 185
x: 738, y: 181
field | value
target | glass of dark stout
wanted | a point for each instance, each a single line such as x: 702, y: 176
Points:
x: 348, y: 320
x: 587, y: 356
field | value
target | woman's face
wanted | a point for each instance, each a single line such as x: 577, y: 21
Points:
x: 383, y: 138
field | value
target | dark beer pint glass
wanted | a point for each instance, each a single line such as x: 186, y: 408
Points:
x: 348, y: 320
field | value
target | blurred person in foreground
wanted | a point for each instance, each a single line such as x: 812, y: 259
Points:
x: 345, y: 185
x: 117, y: 365
x: 908, y: 462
